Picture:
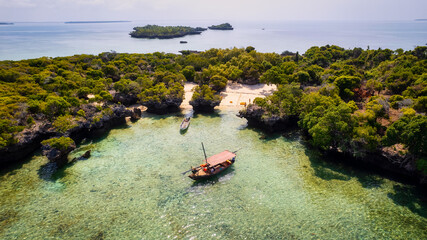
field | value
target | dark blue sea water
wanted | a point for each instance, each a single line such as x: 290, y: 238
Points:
x: 31, y: 40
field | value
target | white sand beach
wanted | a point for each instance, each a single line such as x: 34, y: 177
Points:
x: 235, y: 94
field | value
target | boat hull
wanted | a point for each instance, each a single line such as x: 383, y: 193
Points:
x: 184, y: 125
x: 200, y: 174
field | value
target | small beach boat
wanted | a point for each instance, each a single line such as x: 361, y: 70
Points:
x: 184, y: 124
x: 213, y: 165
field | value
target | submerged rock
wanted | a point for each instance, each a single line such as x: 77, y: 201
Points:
x: 136, y: 114
x: 86, y: 154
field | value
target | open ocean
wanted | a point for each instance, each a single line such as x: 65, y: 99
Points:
x: 52, y: 39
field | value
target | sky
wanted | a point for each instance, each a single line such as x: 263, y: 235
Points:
x: 256, y: 10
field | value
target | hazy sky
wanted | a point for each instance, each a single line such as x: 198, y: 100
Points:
x: 68, y: 10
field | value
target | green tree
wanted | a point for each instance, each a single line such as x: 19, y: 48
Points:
x: 218, y: 82
x: 189, y: 73
x: 55, y: 105
x: 302, y: 77
x: 374, y: 85
x: 64, y: 123
x: 346, y: 84
x: 330, y: 126
x: 410, y: 131
x: 206, y: 93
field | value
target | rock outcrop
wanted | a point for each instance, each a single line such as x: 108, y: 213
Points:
x: 166, y: 106
x: 95, y: 124
x: 136, y: 114
x: 125, y: 99
x: 256, y: 118
x: 58, y: 155
x: 28, y: 141
x: 203, y: 105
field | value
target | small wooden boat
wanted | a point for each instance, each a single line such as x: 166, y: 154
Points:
x: 213, y: 165
x: 182, y: 41
x: 184, y: 124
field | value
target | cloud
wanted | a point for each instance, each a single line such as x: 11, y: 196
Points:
x: 17, y: 3
x: 257, y: 10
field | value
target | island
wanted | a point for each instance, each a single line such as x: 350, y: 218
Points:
x: 164, y: 32
x: 224, y: 26
x: 74, y: 22
x: 6, y: 23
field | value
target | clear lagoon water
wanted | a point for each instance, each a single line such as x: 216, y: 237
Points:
x: 132, y: 188
x: 52, y: 39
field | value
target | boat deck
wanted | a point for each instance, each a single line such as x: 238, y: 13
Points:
x: 220, y: 158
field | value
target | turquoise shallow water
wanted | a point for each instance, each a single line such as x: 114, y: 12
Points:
x: 131, y: 188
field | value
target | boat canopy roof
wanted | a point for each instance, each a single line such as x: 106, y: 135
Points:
x: 220, y: 157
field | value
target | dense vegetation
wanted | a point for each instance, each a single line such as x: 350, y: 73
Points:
x: 354, y: 101
x: 224, y: 26
x: 162, y: 32
x: 68, y: 91
x: 357, y: 101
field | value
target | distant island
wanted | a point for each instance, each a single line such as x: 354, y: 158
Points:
x: 5, y: 23
x: 224, y: 26
x: 164, y: 32
x: 421, y: 19
x: 71, y: 22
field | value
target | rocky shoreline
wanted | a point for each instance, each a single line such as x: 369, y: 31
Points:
x: 385, y: 163
x: 382, y: 161
x: 203, y: 105
x: 30, y: 139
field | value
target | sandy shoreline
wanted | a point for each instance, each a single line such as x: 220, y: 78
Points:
x: 235, y: 94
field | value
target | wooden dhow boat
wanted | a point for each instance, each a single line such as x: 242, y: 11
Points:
x: 213, y: 165
x: 184, y: 124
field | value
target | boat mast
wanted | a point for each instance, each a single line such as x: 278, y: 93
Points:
x: 206, y: 158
